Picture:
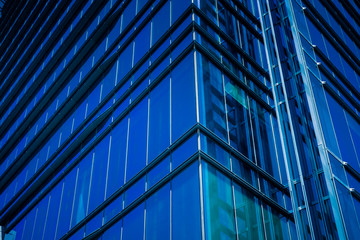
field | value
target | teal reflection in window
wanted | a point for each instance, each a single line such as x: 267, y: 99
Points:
x: 248, y: 215
x: 218, y: 205
x: 238, y: 118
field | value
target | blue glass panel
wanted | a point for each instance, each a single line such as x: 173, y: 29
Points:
x: 93, y: 99
x: 348, y: 210
x: 113, y: 208
x: 40, y: 219
x: 134, y: 191
x: 78, y: 235
x: 357, y: 207
x: 19, y: 228
x: 241, y: 169
x: 183, y: 97
x: 184, y: 151
x: 94, y: 223
x: 160, y: 23
x: 54, y: 205
x: 66, y: 204
x: 210, y: 147
x: 158, y: 215
x: 129, y: 13
x: 140, y: 4
x: 136, y: 159
x: 159, y: 119
x: 113, y: 233
x: 354, y: 127
x: 133, y: 224
x: 158, y: 172
x: 82, y: 190
x: 160, y: 50
x: 139, y: 89
x: 159, y: 68
x: 125, y: 61
x: 142, y: 43
x: 97, y: 191
x: 114, y: 32
x: 109, y: 81
x: 29, y: 225
x: 324, y: 114
x: 186, y: 201
x: 175, y: 52
x: 116, y: 169
x: 342, y: 132
x: 177, y: 8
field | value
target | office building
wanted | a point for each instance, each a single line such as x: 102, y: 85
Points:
x: 179, y: 119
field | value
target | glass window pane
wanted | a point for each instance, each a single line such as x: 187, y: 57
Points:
x: 158, y: 215
x: 114, y: 232
x: 97, y: 191
x: 158, y: 172
x: 248, y: 216
x: 211, y: 97
x: 218, y: 204
x: 117, y: 157
x: 142, y: 43
x: 160, y: 23
x: 186, y: 205
x: 66, y: 204
x: 136, y: 159
x: 159, y: 122
x: 133, y: 225
x: 82, y: 190
x: 183, y: 97
x: 55, y: 197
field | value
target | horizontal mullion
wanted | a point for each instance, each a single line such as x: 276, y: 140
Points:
x: 340, y: 88
x: 331, y: 36
x: 248, y: 186
x: 44, y: 101
x: 235, y: 61
x: 332, y: 67
x: 354, y: 14
x: 32, y: 49
x: 231, y: 42
x: 22, y: 39
x: 238, y: 15
x: 36, y: 64
x: 16, y: 25
x: 334, y: 94
x: 244, y: 159
x: 230, y: 74
x: 245, y: 10
x: 346, y: 26
x: 101, y: 68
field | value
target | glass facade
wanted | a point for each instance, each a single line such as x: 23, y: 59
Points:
x: 180, y: 119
